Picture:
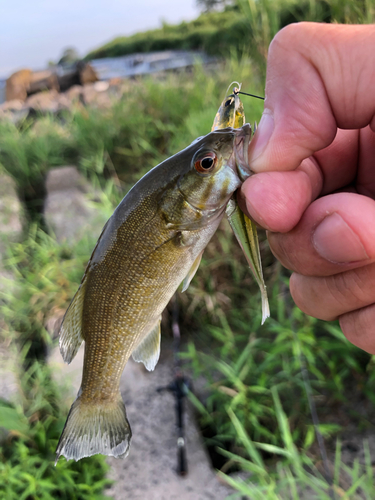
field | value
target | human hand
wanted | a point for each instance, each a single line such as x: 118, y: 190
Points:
x: 314, y: 153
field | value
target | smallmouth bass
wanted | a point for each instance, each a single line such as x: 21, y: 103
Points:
x: 153, y: 241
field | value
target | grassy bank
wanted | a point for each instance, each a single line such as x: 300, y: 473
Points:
x: 246, y: 27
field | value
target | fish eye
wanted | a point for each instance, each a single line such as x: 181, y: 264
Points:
x: 206, y: 164
x: 228, y: 102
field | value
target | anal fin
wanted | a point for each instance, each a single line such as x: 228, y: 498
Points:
x: 148, y: 351
x: 71, y: 328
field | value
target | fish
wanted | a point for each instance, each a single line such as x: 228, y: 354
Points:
x: 153, y: 241
x: 231, y: 113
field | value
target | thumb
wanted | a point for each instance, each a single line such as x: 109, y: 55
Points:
x: 319, y: 78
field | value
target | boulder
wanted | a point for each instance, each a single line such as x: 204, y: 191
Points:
x: 11, y: 214
x: 101, y: 86
x: 74, y: 94
x: 67, y: 209
x: 13, y: 105
x: 17, y: 84
x: 87, y: 74
x: 44, y: 101
x: 43, y: 80
x: 11, y: 219
x: 9, y: 367
x: 96, y: 95
x: 13, y: 111
x: 47, y: 102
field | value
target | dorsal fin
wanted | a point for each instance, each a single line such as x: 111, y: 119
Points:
x: 148, y: 351
x: 190, y: 275
x: 71, y: 328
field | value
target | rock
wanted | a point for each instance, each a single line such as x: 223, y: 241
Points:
x: 9, y: 366
x: 13, y: 111
x: 63, y: 102
x: 42, y: 81
x: 43, y: 101
x: 17, y: 85
x: 11, y: 218
x: 14, y: 117
x: 11, y: 213
x: 13, y: 105
x: 47, y: 102
x: 93, y: 97
x: 67, y: 210
x: 74, y: 94
x: 101, y: 86
x: 68, y: 77
x: 87, y: 74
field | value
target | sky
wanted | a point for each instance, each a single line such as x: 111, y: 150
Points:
x: 33, y: 32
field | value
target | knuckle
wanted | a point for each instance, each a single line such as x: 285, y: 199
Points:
x: 307, y: 294
x: 358, y: 327
x: 286, y: 35
x: 350, y: 289
x: 281, y: 250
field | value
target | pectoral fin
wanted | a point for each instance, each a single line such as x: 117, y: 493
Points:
x: 148, y: 351
x: 246, y: 234
x: 71, y: 328
x: 190, y: 275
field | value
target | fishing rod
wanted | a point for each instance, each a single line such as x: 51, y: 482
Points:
x: 180, y: 387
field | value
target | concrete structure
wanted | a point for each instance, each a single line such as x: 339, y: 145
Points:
x: 148, y: 63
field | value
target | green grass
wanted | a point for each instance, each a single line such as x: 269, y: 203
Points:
x: 46, y: 275
x: 244, y: 27
x: 296, y: 475
x: 34, y: 424
x: 213, y: 32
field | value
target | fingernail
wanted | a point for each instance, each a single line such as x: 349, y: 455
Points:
x: 335, y: 241
x: 261, y: 138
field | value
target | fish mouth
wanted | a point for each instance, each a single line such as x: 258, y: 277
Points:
x: 241, y: 145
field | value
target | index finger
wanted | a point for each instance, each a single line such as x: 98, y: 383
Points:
x: 319, y: 78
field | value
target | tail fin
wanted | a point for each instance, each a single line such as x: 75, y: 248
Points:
x: 95, y: 428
